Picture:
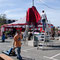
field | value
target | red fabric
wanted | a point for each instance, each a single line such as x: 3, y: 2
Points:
x: 43, y: 31
x: 40, y: 29
x: 37, y: 15
x: 21, y: 29
x: 32, y: 15
x: 52, y: 25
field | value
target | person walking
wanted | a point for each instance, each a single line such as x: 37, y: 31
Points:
x: 3, y: 37
x: 17, y: 44
x: 44, y: 18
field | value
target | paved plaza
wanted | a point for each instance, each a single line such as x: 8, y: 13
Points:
x: 31, y: 53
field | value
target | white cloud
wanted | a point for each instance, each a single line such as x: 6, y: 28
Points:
x: 6, y: 3
x: 53, y: 16
x: 16, y: 13
x: 14, y: 10
x: 3, y: 1
x: 44, y: 1
x: 15, y: 16
x: 47, y: 0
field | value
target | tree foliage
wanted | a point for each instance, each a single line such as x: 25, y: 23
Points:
x: 2, y: 19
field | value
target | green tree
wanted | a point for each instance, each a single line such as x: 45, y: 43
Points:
x: 2, y: 19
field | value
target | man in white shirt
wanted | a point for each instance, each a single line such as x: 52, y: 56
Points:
x: 44, y: 18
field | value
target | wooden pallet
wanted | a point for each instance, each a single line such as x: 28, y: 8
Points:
x: 5, y: 57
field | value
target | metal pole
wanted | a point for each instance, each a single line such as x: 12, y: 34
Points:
x: 33, y: 2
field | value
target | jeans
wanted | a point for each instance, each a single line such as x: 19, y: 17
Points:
x: 3, y: 38
x: 44, y: 24
x: 18, y: 53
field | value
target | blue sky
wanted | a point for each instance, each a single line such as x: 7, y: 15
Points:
x: 16, y: 9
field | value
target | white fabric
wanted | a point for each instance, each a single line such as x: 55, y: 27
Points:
x: 2, y: 30
x: 43, y: 15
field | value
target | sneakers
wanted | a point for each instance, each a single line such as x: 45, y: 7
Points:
x: 19, y: 58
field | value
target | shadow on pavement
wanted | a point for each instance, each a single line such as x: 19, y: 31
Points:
x: 25, y: 58
x: 5, y: 42
x: 52, y: 48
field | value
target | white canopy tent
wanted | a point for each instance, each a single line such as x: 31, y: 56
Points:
x: 21, y: 21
